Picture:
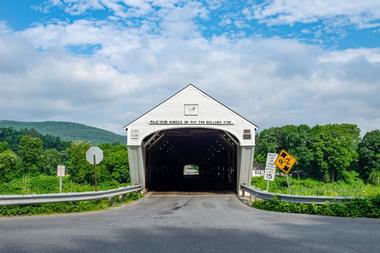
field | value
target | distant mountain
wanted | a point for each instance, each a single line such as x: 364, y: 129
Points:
x: 68, y: 131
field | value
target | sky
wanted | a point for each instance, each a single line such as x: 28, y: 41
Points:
x: 105, y: 62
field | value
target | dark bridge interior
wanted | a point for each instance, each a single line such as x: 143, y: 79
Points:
x: 212, y: 151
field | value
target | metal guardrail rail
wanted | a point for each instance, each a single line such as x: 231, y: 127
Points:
x: 8, y: 200
x: 294, y: 198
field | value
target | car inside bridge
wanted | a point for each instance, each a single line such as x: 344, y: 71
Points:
x: 191, y: 159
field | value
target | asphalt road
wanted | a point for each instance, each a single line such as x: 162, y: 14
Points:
x: 216, y: 223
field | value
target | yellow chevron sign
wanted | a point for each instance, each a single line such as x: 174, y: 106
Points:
x: 285, y: 161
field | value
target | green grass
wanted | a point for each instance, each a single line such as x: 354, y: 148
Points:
x: 367, y: 203
x: 50, y: 184
x: 312, y: 187
x: 367, y: 207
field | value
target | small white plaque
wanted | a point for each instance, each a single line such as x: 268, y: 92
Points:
x: 134, y: 134
x: 258, y: 173
x: 61, y: 170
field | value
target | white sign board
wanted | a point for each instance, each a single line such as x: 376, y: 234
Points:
x: 269, y: 174
x: 258, y: 173
x: 270, y: 168
x: 61, y: 170
x: 271, y: 157
x: 94, y: 155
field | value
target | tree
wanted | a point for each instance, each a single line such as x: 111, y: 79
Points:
x: 295, y: 139
x: 13, y: 137
x: 115, y: 162
x: 30, y: 150
x: 334, y: 150
x: 3, y: 146
x: 78, y: 168
x: 369, y: 155
x: 325, y: 152
x: 8, y: 165
x: 50, y: 158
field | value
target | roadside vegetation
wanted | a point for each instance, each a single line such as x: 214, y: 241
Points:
x: 50, y: 184
x: 28, y: 162
x: 327, y: 153
x: 332, y: 160
x: 313, y: 187
x: 27, y: 158
x: 366, y: 207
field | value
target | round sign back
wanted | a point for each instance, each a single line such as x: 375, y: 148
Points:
x: 94, y: 155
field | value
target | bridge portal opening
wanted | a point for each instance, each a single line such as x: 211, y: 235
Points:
x: 191, y: 159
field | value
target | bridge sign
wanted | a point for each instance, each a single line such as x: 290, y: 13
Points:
x: 94, y: 155
x: 285, y: 161
x: 270, y: 168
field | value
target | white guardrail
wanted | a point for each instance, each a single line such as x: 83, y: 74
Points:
x: 8, y: 200
x: 293, y: 198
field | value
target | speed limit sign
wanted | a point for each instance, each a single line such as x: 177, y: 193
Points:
x: 270, y: 168
x: 269, y: 174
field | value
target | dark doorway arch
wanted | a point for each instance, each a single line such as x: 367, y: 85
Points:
x: 191, y: 159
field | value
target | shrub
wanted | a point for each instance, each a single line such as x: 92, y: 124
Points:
x: 368, y: 207
x: 374, y: 178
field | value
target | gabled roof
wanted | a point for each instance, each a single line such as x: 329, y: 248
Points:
x: 204, y: 93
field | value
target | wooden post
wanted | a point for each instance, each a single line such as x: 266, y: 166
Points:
x: 96, y: 180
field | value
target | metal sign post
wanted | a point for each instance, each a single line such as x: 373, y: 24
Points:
x: 94, y: 156
x: 287, y: 182
x: 60, y: 174
x: 96, y: 180
x: 270, y: 168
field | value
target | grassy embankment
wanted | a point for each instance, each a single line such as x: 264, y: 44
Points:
x: 50, y: 184
x: 367, y: 203
x: 312, y: 187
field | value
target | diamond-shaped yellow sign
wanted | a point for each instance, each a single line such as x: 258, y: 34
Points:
x: 285, y: 161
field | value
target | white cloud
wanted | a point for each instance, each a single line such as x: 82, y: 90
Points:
x: 119, y: 8
x: 363, y: 14
x: 272, y: 81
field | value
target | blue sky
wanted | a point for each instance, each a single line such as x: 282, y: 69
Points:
x: 228, y: 18
x: 318, y: 60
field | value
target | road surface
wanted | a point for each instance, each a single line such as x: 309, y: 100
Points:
x: 188, y: 223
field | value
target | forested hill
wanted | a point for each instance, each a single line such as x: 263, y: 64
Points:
x: 68, y: 131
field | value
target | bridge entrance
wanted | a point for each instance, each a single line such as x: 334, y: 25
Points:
x: 191, y: 142
x: 191, y: 159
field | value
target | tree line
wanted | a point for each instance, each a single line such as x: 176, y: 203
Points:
x: 326, y: 152
x: 29, y: 153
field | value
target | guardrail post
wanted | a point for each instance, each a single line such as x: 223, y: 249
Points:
x: 111, y: 200
x: 121, y: 197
